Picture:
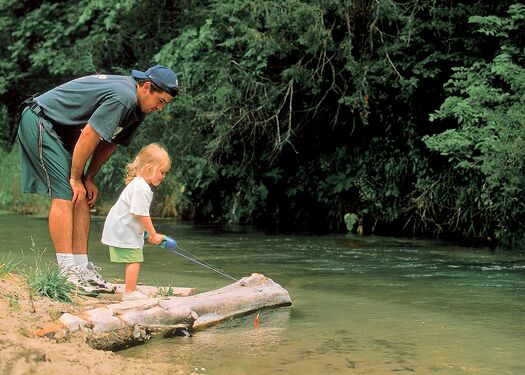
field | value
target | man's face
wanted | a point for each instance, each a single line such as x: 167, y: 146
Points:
x: 151, y: 101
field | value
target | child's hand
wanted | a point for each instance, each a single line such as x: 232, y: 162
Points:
x: 156, y: 239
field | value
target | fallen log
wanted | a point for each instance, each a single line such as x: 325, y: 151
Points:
x: 124, y: 324
x: 151, y: 290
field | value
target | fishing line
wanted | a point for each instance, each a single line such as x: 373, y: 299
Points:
x: 201, y: 262
x: 205, y: 264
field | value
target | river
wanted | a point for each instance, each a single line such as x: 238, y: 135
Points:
x: 361, y: 305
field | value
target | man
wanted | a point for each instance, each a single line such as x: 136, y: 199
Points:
x: 61, y: 130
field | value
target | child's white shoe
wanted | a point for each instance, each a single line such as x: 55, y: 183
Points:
x: 132, y: 296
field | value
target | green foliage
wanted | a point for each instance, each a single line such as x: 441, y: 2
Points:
x: 11, y: 195
x: 351, y: 220
x: 5, y: 131
x: 245, y: 88
x: 279, y: 73
x: 484, y: 155
x: 72, y: 38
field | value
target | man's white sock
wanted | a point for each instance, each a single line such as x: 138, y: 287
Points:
x: 81, y: 260
x: 64, y: 261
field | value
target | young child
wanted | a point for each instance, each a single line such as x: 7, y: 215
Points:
x: 129, y: 217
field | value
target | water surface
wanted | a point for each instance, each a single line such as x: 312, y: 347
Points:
x: 365, y: 305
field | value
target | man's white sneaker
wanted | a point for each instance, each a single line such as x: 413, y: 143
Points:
x: 74, y: 276
x: 92, y: 275
x: 133, y: 296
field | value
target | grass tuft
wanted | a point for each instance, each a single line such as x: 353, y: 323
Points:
x: 44, y: 279
x: 166, y: 291
x: 48, y: 282
x: 7, y: 264
x: 14, y: 301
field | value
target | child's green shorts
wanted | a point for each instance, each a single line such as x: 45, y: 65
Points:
x: 121, y: 255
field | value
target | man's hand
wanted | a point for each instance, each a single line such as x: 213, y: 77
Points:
x: 92, y: 191
x: 79, y: 191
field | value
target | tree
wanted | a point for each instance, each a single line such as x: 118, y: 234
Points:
x: 478, y: 192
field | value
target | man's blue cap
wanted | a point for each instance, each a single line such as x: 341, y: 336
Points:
x: 161, y: 76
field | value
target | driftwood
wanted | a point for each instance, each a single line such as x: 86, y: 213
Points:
x: 124, y: 324
x: 152, y: 291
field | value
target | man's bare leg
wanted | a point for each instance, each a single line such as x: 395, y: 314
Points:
x: 81, y: 225
x: 61, y: 232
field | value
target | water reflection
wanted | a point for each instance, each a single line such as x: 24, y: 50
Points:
x: 206, y: 348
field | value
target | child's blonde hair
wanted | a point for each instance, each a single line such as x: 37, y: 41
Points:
x: 149, y: 159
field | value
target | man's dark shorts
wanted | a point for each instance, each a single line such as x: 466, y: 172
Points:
x: 45, y: 162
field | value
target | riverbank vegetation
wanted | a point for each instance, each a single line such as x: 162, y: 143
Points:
x: 406, y: 115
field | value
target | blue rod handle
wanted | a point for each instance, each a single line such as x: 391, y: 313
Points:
x: 167, y: 242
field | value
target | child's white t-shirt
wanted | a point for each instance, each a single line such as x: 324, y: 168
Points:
x: 121, y: 228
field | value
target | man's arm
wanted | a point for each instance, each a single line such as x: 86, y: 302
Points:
x: 101, y: 154
x: 86, y: 144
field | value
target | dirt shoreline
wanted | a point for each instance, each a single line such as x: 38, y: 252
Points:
x: 22, y: 351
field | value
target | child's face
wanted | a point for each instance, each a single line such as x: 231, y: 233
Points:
x: 157, y: 177
x: 154, y: 176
